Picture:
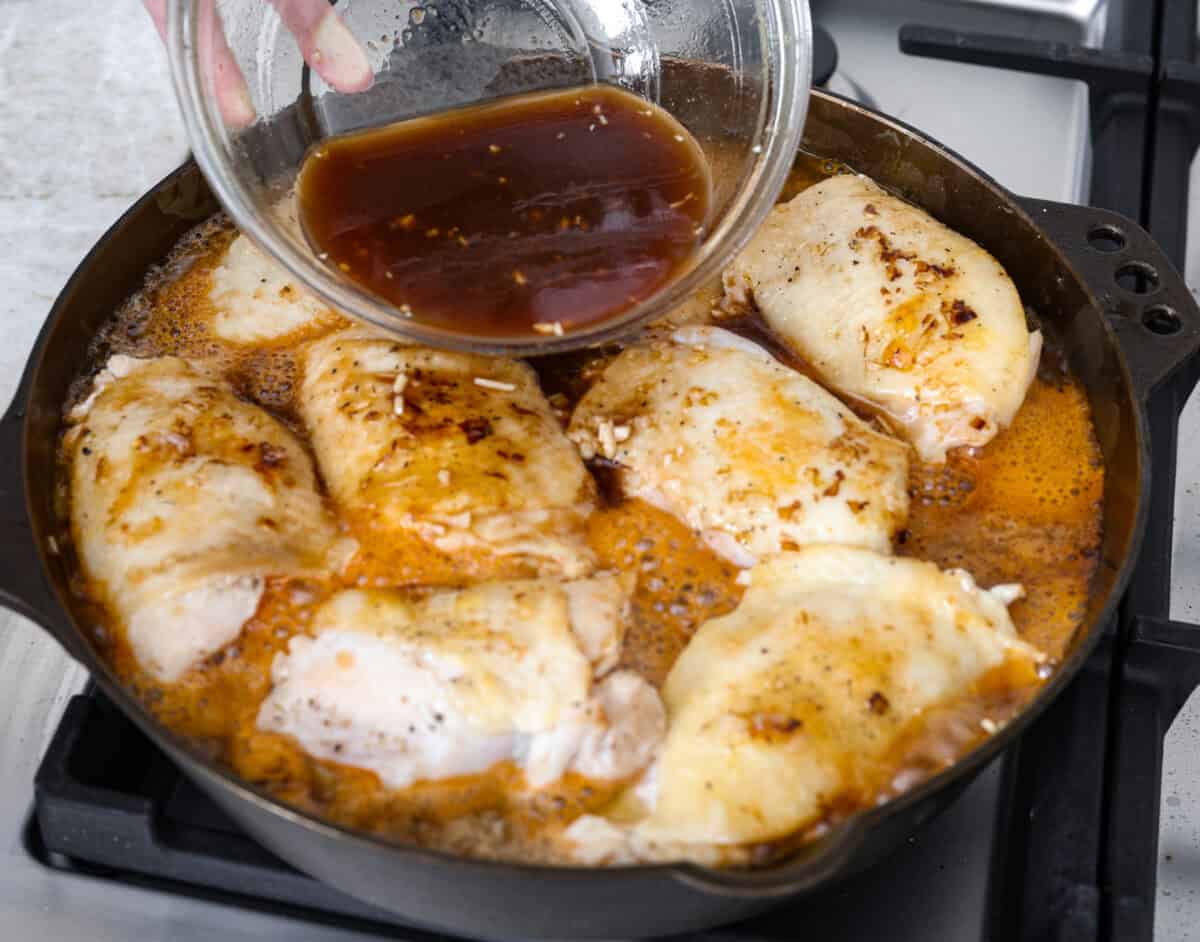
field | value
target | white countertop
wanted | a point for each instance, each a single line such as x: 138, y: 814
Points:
x: 88, y: 122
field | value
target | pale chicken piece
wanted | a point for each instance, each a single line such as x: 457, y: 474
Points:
x: 463, y: 451
x: 256, y: 300
x: 892, y: 308
x: 184, y: 500
x: 455, y: 682
x: 598, y: 615
x: 757, y: 458
x: 803, y: 698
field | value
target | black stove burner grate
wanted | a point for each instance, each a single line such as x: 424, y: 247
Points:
x: 109, y: 804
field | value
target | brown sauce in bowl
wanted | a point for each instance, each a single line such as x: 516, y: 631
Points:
x: 1024, y: 509
x: 537, y: 214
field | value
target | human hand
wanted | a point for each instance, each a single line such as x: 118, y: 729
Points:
x: 325, y: 42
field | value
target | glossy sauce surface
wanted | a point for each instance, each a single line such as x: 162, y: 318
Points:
x: 533, y: 215
x: 1025, y: 509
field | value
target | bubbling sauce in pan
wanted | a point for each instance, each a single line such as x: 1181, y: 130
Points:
x: 1024, y: 509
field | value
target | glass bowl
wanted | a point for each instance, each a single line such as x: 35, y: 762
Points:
x: 736, y: 73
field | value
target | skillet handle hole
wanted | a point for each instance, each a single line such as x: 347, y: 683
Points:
x: 1107, y: 239
x: 1162, y: 320
x: 1138, y: 278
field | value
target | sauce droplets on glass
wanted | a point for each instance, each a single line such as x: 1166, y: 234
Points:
x: 534, y: 215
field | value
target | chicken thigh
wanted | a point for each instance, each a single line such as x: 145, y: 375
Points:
x: 450, y: 684
x: 257, y: 301
x: 461, y: 451
x: 808, y: 696
x: 185, y: 499
x: 754, y: 456
x: 893, y: 309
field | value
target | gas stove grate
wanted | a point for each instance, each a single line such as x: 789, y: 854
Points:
x: 109, y: 804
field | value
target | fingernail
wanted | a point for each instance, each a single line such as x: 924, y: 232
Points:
x: 237, y: 107
x: 339, y: 58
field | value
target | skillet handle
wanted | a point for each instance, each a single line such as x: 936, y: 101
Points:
x: 23, y: 585
x: 1146, y: 301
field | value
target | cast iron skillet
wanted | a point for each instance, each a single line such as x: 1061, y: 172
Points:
x: 1120, y: 341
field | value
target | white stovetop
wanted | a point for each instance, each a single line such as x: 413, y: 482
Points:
x: 87, y: 123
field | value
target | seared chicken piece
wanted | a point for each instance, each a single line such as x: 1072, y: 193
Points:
x: 255, y: 300
x: 460, y: 450
x: 453, y: 683
x: 184, y: 499
x: 894, y: 309
x: 757, y: 458
x: 807, y: 696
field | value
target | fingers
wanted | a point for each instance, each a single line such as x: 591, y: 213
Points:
x: 326, y: 43
x: 158, y: 13
x: 216, y: 62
